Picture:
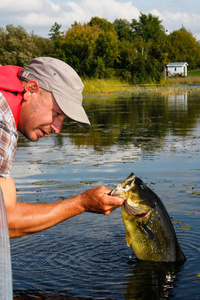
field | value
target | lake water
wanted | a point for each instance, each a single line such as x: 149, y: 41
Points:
x: 86, y: 257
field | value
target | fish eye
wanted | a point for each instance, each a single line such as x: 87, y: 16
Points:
x: 127, y: 187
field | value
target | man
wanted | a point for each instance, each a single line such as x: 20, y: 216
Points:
x: 35, y: 101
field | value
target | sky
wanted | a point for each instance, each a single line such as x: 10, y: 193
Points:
x: 40, y: 15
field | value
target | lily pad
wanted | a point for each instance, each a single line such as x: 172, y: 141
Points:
x: 70, y: 186
x: 196, y: 193
x: 89, y: 182
x: 176, y: 222
x: 191, y: 193
x: 185, y: 227
x: 46, y: 182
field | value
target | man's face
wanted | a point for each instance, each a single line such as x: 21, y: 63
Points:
x: 40, y: 115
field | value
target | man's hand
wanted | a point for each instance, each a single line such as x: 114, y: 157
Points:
x: 97, y: 200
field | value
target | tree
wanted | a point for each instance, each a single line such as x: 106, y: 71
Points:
x: 147, y: 27
x: 90, y: 48
x: 102, y: 23
x: 107, y: 47
x: 17, y: 47
x: 123, y: 29
x: 55, y: 33
x: 79, y: 46
x: 56, y: 37
x: 45, y: 47
x: 149, y: 37
x: 182, y: 46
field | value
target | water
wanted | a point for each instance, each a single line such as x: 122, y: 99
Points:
x: 86, y: 257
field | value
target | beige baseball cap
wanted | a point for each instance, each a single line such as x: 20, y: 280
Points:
x: 62, y: 81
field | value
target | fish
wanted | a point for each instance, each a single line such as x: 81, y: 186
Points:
x: 149, y: 229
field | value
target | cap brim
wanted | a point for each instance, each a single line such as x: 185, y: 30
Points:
x: 73, y: 110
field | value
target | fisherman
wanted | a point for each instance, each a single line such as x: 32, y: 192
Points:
x: 35, y: 101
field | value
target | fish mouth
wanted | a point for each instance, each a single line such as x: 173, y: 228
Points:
x: 129, y: 182
x: 118, y: 191
x: 124, y: 187
x: 135, y: 212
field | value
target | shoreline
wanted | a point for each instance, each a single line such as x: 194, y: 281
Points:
x: 115, y: 86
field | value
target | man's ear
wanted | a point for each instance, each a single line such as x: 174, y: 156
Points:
x: 32, y: 86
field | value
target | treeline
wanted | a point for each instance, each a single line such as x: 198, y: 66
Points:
x: 135, y: 51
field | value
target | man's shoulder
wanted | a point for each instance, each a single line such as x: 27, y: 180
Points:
x: 6, y: 115
x: 8, y: 138
x: 9, y: 78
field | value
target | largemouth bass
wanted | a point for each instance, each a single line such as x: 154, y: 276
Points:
x: 149, y: 229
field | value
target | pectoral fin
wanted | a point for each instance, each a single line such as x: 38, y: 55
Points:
x: 128, y: 238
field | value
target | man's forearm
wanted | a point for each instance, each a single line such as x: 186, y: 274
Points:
x: 26, y: 218
x: 30, y: 218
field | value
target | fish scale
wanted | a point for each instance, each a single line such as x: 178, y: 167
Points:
x: 149, y: 229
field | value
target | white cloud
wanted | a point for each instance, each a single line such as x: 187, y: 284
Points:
x: 173, y: 21
x: 40, y: 15
x: 20, y: 6
x: 39, y: 19
x: 110, y: 9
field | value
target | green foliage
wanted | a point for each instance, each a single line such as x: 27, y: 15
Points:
x: 147, y: 27
x: 12, y: 46
x: 17, y: 47
x: 182, y: 46
x: 55, y: 33
x: 43, y: 46
x: 78, y: 47
x: 91, y: 48
x: 101, y: 23
x: 136, y: 51
x: 56, y: 37
x: 123, y: 29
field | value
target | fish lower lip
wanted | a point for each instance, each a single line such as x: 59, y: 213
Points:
x: 139, y: 216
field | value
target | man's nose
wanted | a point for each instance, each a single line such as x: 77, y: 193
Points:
x: 56, y: 126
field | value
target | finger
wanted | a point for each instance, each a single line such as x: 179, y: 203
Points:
x: 115, y: 201
x: 109, y: 211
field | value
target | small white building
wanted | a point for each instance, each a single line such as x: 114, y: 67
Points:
x: 177, y: 68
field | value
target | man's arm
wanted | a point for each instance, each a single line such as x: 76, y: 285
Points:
x: 25, y: 218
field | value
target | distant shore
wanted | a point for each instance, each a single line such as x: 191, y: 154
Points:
x: 184, y: 80
x: 168, y: 86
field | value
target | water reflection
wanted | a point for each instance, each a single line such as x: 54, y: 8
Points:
x: 134, y: 120
x: 86, y: 257
x: 144, y: 281
x: 34, y: 294
x: 151, y: 280
x: 178, y: 102
x: 126, y: 119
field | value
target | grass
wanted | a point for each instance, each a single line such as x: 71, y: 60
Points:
x: 194, y: 73
x: 168, y: 86
x: 104, y: 85
x: 184, y: 80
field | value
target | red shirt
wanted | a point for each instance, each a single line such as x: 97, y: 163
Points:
x: 12, y: 88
